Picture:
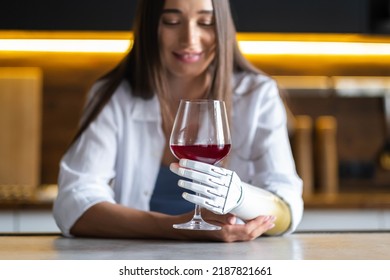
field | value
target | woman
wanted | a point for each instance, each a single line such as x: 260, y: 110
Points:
x: 114, y: 176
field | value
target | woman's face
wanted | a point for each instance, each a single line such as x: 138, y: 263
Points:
x: 187, y: 37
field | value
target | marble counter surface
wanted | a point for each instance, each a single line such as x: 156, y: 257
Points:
x: 300, y: 246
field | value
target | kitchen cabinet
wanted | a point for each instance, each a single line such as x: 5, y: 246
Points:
x: 386, y: 219
x: 345, y: 220
x: 6, y: 221
x: 27, y: 221
x: 29, y: 214
x: 20, y: 123
x: 35, y: 221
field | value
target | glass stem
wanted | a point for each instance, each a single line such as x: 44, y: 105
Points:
x: 197, y: 213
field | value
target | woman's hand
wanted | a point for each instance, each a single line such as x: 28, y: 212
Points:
x: 232, y: 232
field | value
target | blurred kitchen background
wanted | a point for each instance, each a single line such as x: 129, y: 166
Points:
x: 330, y: 57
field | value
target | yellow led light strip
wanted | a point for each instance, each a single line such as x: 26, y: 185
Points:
x: 65, y: 45
x: 313, y: 48
x: 248, y: 47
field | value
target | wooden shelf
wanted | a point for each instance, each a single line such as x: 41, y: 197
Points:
x: 39, y: 198
x: 348, y: 201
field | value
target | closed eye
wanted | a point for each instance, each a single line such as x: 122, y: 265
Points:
x: 170, y: 22
x: 206, y: 23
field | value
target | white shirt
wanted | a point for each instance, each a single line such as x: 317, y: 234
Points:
x: 118, y: 156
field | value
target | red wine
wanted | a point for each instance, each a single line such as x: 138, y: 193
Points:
x: 204, y: 153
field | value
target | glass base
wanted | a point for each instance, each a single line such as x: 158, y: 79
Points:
x: 197, y: 224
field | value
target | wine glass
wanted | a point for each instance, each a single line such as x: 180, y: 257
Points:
x: 200, y: 132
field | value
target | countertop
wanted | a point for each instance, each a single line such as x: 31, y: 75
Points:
x: 297, y: 246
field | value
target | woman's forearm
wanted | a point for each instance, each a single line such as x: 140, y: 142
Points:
x: 116, y: 221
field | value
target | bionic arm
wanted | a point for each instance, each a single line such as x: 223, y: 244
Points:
x: 223, y: 192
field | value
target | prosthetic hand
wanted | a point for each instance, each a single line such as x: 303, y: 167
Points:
x: 221, y: 191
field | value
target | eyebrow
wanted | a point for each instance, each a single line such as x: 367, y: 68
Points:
x: 177, y: 11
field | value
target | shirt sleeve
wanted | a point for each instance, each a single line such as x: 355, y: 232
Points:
x: 87, y: 169
x: 270, y: 152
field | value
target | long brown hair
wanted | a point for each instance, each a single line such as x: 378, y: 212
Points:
x: 143, y: 70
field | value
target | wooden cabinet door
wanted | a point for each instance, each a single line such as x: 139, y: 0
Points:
x: 20, y: 126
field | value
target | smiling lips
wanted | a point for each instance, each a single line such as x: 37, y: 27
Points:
x: 188, y: 57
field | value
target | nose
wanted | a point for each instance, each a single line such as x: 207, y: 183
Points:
x: 189, y: 34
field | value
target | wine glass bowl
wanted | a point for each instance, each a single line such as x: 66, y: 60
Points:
x: 209, y: 153
x: 200, y: 132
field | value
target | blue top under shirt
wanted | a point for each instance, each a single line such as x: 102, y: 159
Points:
x: 167, y: 197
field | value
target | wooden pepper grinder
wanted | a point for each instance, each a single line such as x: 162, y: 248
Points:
x: 302, y: 146
x: 326, y: 155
